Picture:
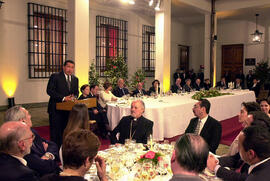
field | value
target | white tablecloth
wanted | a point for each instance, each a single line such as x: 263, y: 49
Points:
x: 171, y: 114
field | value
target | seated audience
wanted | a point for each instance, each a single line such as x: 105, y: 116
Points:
x: 222, y: 84
x: 197, y: 85
x: 155, y: 89
x: 255, y: 118
x: 189, y: 158
x: 265, y: 106
x: 177, y: 74
x: 85, y: 90
x: 246, y: 108
x: 207, y: 84
x: 183, y: 77
x: 79, y: 153
x: 16, y: 140
x: 176, y: 88
x: 139, y: 91
x: 120, y: 90
x: 43, y: 157
x: 238, y: 84
x: 241, y: 76
x: 187, y: 87
x: 256, y: 86
x: 204, y: 125
x: 98, y: 113
x: 106, y: 95
x: 134, y: 126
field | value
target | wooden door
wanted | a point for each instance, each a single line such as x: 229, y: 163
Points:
x: 183, y: 57
x: 232, y: 59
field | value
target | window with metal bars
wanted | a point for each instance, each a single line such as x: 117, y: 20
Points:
x: 46, y: 40
x: 111, y: 41
x: 148, y: 50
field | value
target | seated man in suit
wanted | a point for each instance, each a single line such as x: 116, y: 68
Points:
x: 189, y: 158
x: 134, y: 126
x: 207, y: 84
x: 197, y: 85
x: 204, y: 125
x: 254, y: 149
x: 43, y: 157
x: 222, y: 83
x: 16, y: 139
x: 238, y: 84
x: 98, y: 113
x: 256, y: 86
x: 177, y: 86
x: 120, y: 90
x: 139, y: 91
x: 80, y: 150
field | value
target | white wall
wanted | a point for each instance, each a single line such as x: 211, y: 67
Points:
x: 238, y: 32
x: 13, y: 52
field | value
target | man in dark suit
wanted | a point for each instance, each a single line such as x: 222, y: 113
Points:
x: 99, y: 113
x: 254, y: 148
x: 204, y: 125
x: 134, y: 126
x: 176, y: 88
x: 177, y: 74
x: 43, y: 157
x: 189, y: 158
x: 120, y: 90
x: 62, y: 86
x: 249, y: 79
x: 256, y: 86
x: 15, y: 142
x: 197, y: 85
x: 222, y: 83
x: 139, y: 91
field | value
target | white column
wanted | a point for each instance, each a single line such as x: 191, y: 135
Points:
x: 78, y: 38
x: 207, y: 25
x: 163, y: 45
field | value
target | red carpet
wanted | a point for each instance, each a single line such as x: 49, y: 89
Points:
x: 230, y: 129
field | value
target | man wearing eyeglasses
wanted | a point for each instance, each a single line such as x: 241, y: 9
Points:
x: 16, y: 140
x: 44, y: 154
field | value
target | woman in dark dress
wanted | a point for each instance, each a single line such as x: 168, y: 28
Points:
x: 85, y: 90
x: 155, y: 87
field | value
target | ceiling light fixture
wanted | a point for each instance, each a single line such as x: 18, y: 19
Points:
x: 157, y: 8
x: 151, y: 2
x: 257, y: 35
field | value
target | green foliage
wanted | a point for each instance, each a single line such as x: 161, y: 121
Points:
x: 139, y: 76
x: 208, y: 93
x: 116, y: 68
x: 262, y: 71
x: 93, y: 75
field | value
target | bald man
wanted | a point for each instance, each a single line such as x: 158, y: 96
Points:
x: 134, y: 127
x: 16, y: 139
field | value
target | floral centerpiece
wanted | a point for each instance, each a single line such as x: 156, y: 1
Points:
x: 208, y: 93
x: 116, y: 68
x: 151, y: 156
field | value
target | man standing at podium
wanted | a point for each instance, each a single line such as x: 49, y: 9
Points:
x: 62, y: 87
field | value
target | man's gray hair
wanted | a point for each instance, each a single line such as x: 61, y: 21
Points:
x: 142, y: 103
x: 15, y: 113
x: 9, y: 143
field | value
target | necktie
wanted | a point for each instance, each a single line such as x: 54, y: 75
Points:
x: 69, y: 82
x: 123, y: 91
x: 197, y: 130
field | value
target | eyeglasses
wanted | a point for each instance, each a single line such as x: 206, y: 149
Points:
x: 32, y: 137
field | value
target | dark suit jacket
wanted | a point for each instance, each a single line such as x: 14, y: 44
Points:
x: 13, y: 170
x: 136, y: 91
x: 233, y: 162
x: 118, y: 92
x: 211, y: 131
x: 153, y: 90
x: 34, y: 160
x: 56, y: 177
x: 143, y: 130
x: 221, y: 85
x: 187, y: 88
x: 57, y: 89
x: 175, y: 88
x: 197, y: 87
x: 256, y: 89
x: 260, y: 173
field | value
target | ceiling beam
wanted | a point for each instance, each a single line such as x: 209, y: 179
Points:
x: 234, y: 5
x: 202, y: 5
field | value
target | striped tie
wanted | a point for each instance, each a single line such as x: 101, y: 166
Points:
x: 197, y: 130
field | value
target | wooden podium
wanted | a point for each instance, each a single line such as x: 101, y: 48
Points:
x: 67, y: 106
